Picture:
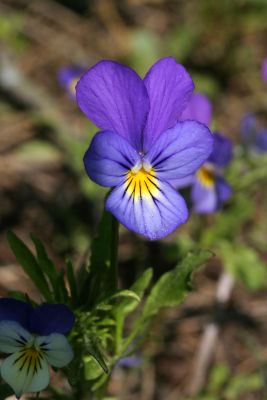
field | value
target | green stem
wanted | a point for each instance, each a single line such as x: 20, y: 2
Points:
x: 114, y: 243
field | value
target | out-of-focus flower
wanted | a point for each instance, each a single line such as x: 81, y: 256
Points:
x: 34, y: 338
x: 253, y: 137
x: 142, y: 148
x: 264, y: 70
x: 199, y: 109
x: 68, y: 78
x: 209, y: 189
x: 130, y: 362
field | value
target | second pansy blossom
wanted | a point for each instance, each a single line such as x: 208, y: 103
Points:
x: 209, y: 189
x: 33, y: 338
x: 142, y: 148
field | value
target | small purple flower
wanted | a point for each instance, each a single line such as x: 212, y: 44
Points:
x: 68, y: 78
x: 209, y: 189
x: 130, y: 362
x: 34, y: 339
x: 264, y: 70
x: 141, y: 148
x: 253, y: 137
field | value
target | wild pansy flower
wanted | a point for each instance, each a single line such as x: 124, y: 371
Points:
x: 264, y: 70
x: 34, y: 338
x: 142, y: 148
x: 209, y: 189
x: 68, y: 78
x: 253, y: 136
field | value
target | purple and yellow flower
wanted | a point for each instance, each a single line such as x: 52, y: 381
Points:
x: 34, y: 339
x: 209, y: 189
x: 68, y: 78
x: 264, y: 70
x: 142, y: 148
x: 253, y: 136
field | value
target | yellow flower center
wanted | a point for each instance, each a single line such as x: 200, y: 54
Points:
x: 29, y: 359
x: 206, y: 176
x: 141, y: 182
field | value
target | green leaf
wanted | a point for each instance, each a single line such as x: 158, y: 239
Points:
x: 93, y: 348
x: 62, y: 293
x: 72, y: 282
x: 128, y: 305
x: 244, y: 264
x: 129, y: 294
x: 28, y: 262
x: 172, y: 288
x: 102, y: 273
x: 45, y: 263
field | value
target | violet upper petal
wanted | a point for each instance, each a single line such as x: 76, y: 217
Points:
x: 222, y: 150
x: 199, y: 109
x: 114, y: 97
x: 51, y: 318
x: 181, y: 150
x: 15, y: 310
x: 109, y: 158
x: 169, y: 87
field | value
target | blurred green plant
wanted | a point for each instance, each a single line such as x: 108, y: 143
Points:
x: 98, y: 338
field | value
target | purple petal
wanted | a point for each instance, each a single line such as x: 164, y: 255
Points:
x: 180, y: 151
x: 169, y: 88
x: 204, y: 198
x: 224, y: 191
x: 51, y: 318
x: 199, y: 109
x: 182, y: 182
x: 109, y: 158
x: 222, y: 150
x: 130, y: 361
x: 15, y: 310
x: 114, y: 97
x: 261, y: 141
x: 153, y: 211
x: 248, y: 129
x: 264, y: 70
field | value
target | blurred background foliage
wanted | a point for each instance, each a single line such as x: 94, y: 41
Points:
x: 44, y: 189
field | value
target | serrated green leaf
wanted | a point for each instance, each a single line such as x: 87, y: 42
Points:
x: 30, y: 265
x: 93, y: 348
x: 173, y: 286
x: 128, y: 305
x: 129, y: 294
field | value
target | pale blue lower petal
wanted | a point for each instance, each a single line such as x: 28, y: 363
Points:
x: 204, y: 198
x: 153, y: 215
x: 56, y: 349
x: 13, y: 337
x: 23, y: 375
